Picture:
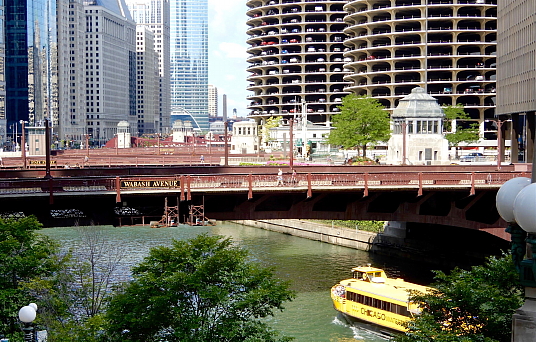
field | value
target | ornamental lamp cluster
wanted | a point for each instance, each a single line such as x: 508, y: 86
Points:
x: 516, y: 203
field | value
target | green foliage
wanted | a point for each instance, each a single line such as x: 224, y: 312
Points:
x: 24, y: 255
x: 204, y: 289
x: 368, y: 226
x: 271, y: 122
x: 463, y: 134
x: 474, y: 305
x: 72, y: 300
x: 362, y: 121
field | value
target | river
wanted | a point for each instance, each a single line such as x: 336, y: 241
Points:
x: 312, y: 267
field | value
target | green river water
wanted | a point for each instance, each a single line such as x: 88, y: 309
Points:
x: 313, y: 267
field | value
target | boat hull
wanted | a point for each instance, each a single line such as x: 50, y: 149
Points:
x: 360, y: 312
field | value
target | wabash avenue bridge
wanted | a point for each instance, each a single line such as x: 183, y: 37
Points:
x: 449, y: 195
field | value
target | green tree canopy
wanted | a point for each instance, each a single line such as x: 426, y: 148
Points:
x: 362, y: 121
x: 475, y: 305
x: 204, y: 289
x: 270, y: 122
x: 468, y: 133
x: 24, y: 255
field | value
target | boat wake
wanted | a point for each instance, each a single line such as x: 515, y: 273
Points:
x: 360, y: 331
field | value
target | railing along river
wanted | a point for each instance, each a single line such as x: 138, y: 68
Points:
x: 392, y: 181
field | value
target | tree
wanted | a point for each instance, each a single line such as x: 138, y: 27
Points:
x: 24, y: 255
x: 270, y: 122
x: 362, y: 121
x: 72, y: 300
x: 457, y: 133
x: 204, y: 289
x: 474, y: 305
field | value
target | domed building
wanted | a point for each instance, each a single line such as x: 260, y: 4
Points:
x: 417, y: 125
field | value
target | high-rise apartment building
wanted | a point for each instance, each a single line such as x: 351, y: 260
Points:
x: 30, y: 64
x: 189, y: 59
x: 516, y: 74
x: 212, y: 101
x: 155, y: 15
x: 148, y: 82
x: 296, y: 58
x: 448, y: 47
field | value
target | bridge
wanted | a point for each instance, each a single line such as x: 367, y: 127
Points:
x: 448, y: 195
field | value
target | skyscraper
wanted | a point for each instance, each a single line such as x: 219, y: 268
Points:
x: 516, y: 75
x: 189, y: 59
x: 30, y: 63
x: 212, y: 101
x: 155, y: 16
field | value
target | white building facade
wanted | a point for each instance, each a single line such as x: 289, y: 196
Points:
x: 147, y: 83
x: 212, y: 101
x: 245, y: 139
x: 110, y: 68
x: 155, y: 15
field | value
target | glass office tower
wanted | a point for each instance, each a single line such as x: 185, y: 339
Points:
x: 30, y: 63
x: 189, y: 59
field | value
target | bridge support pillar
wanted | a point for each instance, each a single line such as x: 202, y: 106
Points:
x: 395, y: 229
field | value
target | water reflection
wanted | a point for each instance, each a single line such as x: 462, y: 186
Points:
x: 313, y: 267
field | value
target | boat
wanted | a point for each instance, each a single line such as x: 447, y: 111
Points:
x: 372, y: 297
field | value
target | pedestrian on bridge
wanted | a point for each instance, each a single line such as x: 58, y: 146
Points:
x: 280, y: 177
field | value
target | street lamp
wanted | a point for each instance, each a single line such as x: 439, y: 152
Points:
x: 499, y: 139
x: 516, y: 200
x: 23, y: 144
x: 27, y: 315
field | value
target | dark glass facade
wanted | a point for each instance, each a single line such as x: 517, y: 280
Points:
x: 189, y: 58
x: 30, y: 62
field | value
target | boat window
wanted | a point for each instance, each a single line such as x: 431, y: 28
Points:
x: 358, y: 275
x: 377, y: 303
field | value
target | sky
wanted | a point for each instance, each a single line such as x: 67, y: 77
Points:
x: 227, y: 53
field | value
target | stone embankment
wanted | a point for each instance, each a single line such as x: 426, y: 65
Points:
x: 315, y: 231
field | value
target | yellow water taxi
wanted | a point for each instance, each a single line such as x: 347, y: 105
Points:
x: 372, y: 297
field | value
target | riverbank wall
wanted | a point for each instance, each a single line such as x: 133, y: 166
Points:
x: 445, y: 250
x: 345, y: 237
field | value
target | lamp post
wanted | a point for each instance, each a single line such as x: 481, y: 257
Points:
x: 47, y: 149
x: 23, y: 144
x: 27, y: 315
x: 225, y: 146
x: 516, y: 200
x: 499, y: 140
x: 87, y: 145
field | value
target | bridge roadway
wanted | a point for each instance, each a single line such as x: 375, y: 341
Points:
x: 448, y: 195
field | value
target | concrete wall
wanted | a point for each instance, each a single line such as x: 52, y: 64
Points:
x: 311, y: 230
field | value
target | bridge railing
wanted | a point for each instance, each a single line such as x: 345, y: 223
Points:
x: 418, y: 180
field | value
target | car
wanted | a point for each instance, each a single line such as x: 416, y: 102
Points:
x: 337, y: 59
x: 472, y: 157
x: 294, y: 41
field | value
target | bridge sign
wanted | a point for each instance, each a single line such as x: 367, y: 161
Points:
x: 150, y: 183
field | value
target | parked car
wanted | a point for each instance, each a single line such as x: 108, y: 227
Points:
x: 472, y: 157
